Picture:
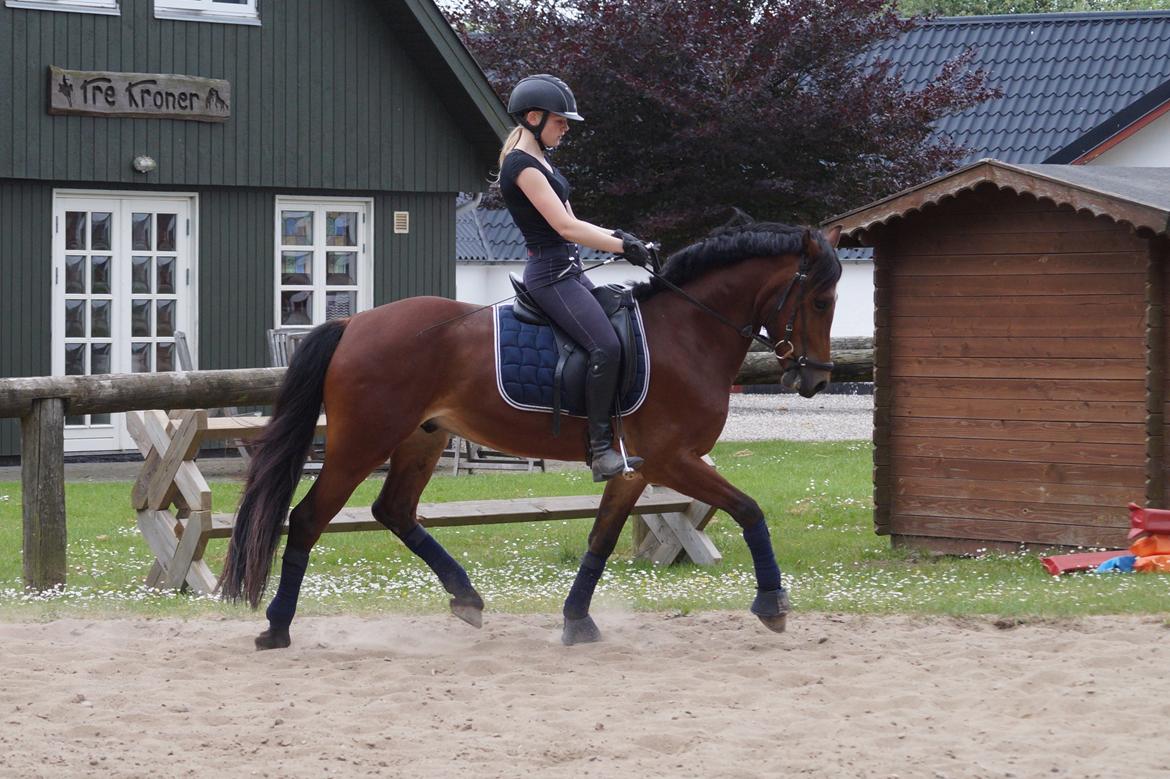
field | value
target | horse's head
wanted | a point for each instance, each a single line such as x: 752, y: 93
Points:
x: 803, y: 315
x: 791, y: 297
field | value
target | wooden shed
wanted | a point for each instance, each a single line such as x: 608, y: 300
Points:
x: 1020, y: 354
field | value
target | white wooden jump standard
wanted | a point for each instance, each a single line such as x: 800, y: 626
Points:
x: 173, y: 503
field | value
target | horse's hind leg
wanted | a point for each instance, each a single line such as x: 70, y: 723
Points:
x: 397, y: 505
x: 616, y: 503
x: 342, y: 472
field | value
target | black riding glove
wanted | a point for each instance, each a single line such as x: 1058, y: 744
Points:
x: 633, y: 249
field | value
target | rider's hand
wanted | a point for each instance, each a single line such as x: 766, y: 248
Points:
x: 633, y: 249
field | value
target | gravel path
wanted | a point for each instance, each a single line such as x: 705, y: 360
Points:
x: 793, y: 418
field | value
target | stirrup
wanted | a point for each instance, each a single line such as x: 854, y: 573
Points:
x: 619, y: 464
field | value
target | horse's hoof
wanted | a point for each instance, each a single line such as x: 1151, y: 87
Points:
x: 775, y: 624
x: 580, y: 631
x: 468, y: 608
x: 273, y: 638
x: 772, y: 608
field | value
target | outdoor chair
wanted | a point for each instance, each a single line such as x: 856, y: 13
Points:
x: 186, y: 363
x: 282, y: 344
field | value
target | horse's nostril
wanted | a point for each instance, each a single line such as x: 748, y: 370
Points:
x: 820, y: 386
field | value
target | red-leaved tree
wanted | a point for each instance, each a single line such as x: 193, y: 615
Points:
x: 695, y: 106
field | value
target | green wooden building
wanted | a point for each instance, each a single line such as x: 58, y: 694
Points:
x: 220, y: 168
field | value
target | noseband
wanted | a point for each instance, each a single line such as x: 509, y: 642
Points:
x: 784, y: 349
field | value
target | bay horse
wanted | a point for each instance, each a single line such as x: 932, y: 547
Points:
x: 395, y: 387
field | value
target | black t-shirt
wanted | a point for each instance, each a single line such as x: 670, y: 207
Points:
x: 536, y: 229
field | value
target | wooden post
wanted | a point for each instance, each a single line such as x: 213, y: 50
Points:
x: 42, y: 476
x: 883, y: 401
x: 1156, y: 374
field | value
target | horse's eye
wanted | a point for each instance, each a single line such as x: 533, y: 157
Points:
x: 821, y: 305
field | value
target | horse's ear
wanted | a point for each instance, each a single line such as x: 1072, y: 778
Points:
x: 811, y: 247
x: 834, y: 236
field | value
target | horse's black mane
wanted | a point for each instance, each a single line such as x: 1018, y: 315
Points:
x: 739, y: 239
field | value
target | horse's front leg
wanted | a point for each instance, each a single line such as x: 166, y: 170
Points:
x: 616, y: 502
x: 697, y: 479
x: 396, y: 508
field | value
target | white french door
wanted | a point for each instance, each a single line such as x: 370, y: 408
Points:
x: 121, y: 289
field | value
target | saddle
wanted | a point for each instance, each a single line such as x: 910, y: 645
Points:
x: 572, y: 361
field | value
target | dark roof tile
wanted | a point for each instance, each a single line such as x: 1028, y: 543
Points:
x: 503, y: 240
x: 1061, y: 74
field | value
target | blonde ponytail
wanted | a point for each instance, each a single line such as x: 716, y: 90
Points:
x: 510, y: 143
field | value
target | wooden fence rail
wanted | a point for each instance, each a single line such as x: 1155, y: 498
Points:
x: 114, y: 392
x: 42, y: 404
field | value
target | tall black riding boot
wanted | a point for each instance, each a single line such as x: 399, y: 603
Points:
x: 600, y: 387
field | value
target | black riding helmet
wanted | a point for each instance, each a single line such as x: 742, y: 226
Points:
x: 546, y: 93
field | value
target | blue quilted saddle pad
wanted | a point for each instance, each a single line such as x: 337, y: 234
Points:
x: 526, y: 361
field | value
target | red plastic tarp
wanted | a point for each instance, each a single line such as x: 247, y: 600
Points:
x: 1071, y: 563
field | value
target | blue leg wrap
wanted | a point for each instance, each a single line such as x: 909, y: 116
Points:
x: 759, y: 542
x: 451, y: 574
x: 577, y: 604
x: 284, y: 604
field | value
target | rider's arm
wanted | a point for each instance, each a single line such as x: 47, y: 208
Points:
x: 560, y: 216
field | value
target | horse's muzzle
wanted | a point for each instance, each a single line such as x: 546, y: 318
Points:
x: 806, y: 380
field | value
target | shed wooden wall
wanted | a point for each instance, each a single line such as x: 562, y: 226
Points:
x: 1011, y: 368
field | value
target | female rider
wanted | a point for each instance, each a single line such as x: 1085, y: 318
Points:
x: 537, y: 196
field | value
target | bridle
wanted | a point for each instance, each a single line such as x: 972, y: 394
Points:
x: 784, y: 349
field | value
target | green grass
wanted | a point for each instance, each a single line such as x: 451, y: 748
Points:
x: 817, y: 497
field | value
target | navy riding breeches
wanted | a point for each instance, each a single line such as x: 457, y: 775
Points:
x: 556, y: 282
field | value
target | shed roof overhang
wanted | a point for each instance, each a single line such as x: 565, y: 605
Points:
x: 1139, y: 197
x: 459, y: 81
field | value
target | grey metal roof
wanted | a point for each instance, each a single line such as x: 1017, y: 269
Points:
x: 1062, y: 75
x: 1137, y: 186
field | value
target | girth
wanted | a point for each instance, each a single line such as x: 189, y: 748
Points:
x: 572, y: 361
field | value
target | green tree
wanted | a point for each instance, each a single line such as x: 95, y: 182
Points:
x: 695, y: 106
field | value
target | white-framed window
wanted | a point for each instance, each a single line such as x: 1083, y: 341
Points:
x: 222, y: 11
x: 324, y: 266
x: 109, y: 7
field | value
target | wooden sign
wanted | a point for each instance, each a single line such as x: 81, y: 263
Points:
x: 148, y: 95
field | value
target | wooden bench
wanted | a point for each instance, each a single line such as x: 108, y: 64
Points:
x: 173, y: 503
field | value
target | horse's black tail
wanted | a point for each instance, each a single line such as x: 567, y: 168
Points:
x: 276, y: 466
